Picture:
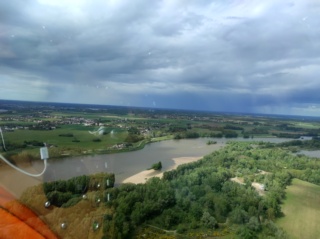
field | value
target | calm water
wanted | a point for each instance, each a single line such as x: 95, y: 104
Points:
x: 313, y: 153
x: 130, y: 163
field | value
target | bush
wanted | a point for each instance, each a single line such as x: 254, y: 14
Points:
x: 133, y: 138
x: 156, y: 166
x: 60, y: 192
x: 59, y: 198
x: 66, y: 135
x: 71, y: 202
x: 33, y: 143
x: 192, y: 135
x: 208, y: 221
x: 182, y: 228
x: 177, y: 136
x: 111, y: 179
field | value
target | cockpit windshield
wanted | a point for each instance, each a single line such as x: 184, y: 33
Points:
x: 159, y: 119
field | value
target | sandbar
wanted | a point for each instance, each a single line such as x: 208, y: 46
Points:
x: 143, y: 176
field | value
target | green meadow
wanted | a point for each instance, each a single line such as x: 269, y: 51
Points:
x: 301, y: 210
x: 79, y: 141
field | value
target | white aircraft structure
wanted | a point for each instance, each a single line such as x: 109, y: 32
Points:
x: 100, y: 131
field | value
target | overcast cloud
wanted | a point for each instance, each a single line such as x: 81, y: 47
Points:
x: 232, y: 55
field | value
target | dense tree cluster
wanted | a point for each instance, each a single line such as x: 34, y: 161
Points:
x: 302, y: 144
x: 134, y: 135
x: 302, y: 131
x: 65, y: 193
x: 177, y: 128
x: 230, y: 134
x: 33, y: 143
x: 194, y: 134
x: 258, y: 131
x: 10, y: 146
x: 134, y: 204
x: 66, y: 135
x: 233, y: 127
x: 274, y: 159
x: 187, y: 135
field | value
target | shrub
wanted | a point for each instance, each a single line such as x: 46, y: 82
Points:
x: 71, y: 202
x: 59, y: 198
x: 156, y: 166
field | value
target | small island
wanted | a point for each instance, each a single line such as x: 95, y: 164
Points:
x: 156, y: 166
x: 211, y: 142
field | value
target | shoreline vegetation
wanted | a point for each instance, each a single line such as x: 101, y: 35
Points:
x: 25, y: 157
x: 145, y: 175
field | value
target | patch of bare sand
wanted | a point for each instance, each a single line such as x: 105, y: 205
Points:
x: 237, y: 180
x: 143, y: 176
x: 259, y: 187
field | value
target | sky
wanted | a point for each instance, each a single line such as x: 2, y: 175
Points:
x: 250, y: 56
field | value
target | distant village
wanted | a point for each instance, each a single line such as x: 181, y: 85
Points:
x: 44, y: 121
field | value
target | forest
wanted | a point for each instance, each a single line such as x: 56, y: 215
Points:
x: 201, y: 199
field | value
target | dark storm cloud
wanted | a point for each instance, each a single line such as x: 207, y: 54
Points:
x: 227, y: 56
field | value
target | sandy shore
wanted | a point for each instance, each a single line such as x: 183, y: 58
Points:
x: 143, y: 176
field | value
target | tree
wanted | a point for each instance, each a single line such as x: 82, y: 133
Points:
x: 245, y: 233
x: 239, y: 216
x: 208, y: 221
x: 254, y: 224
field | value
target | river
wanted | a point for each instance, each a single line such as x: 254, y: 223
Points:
x: 310, y: 153
x: 123, y: 165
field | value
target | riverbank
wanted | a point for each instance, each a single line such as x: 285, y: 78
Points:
x: 57, y: 153
x: 123, y: 165
x: 143, y: 176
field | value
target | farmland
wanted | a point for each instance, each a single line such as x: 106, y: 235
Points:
x: 70, y: 129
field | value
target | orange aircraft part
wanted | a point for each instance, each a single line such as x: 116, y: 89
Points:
x: 18, y: 221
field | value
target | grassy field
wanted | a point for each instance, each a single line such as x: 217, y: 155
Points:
x: 79, y: 132
x: 80, y: 142
x: 302, y: 210
x: 307, y: 125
